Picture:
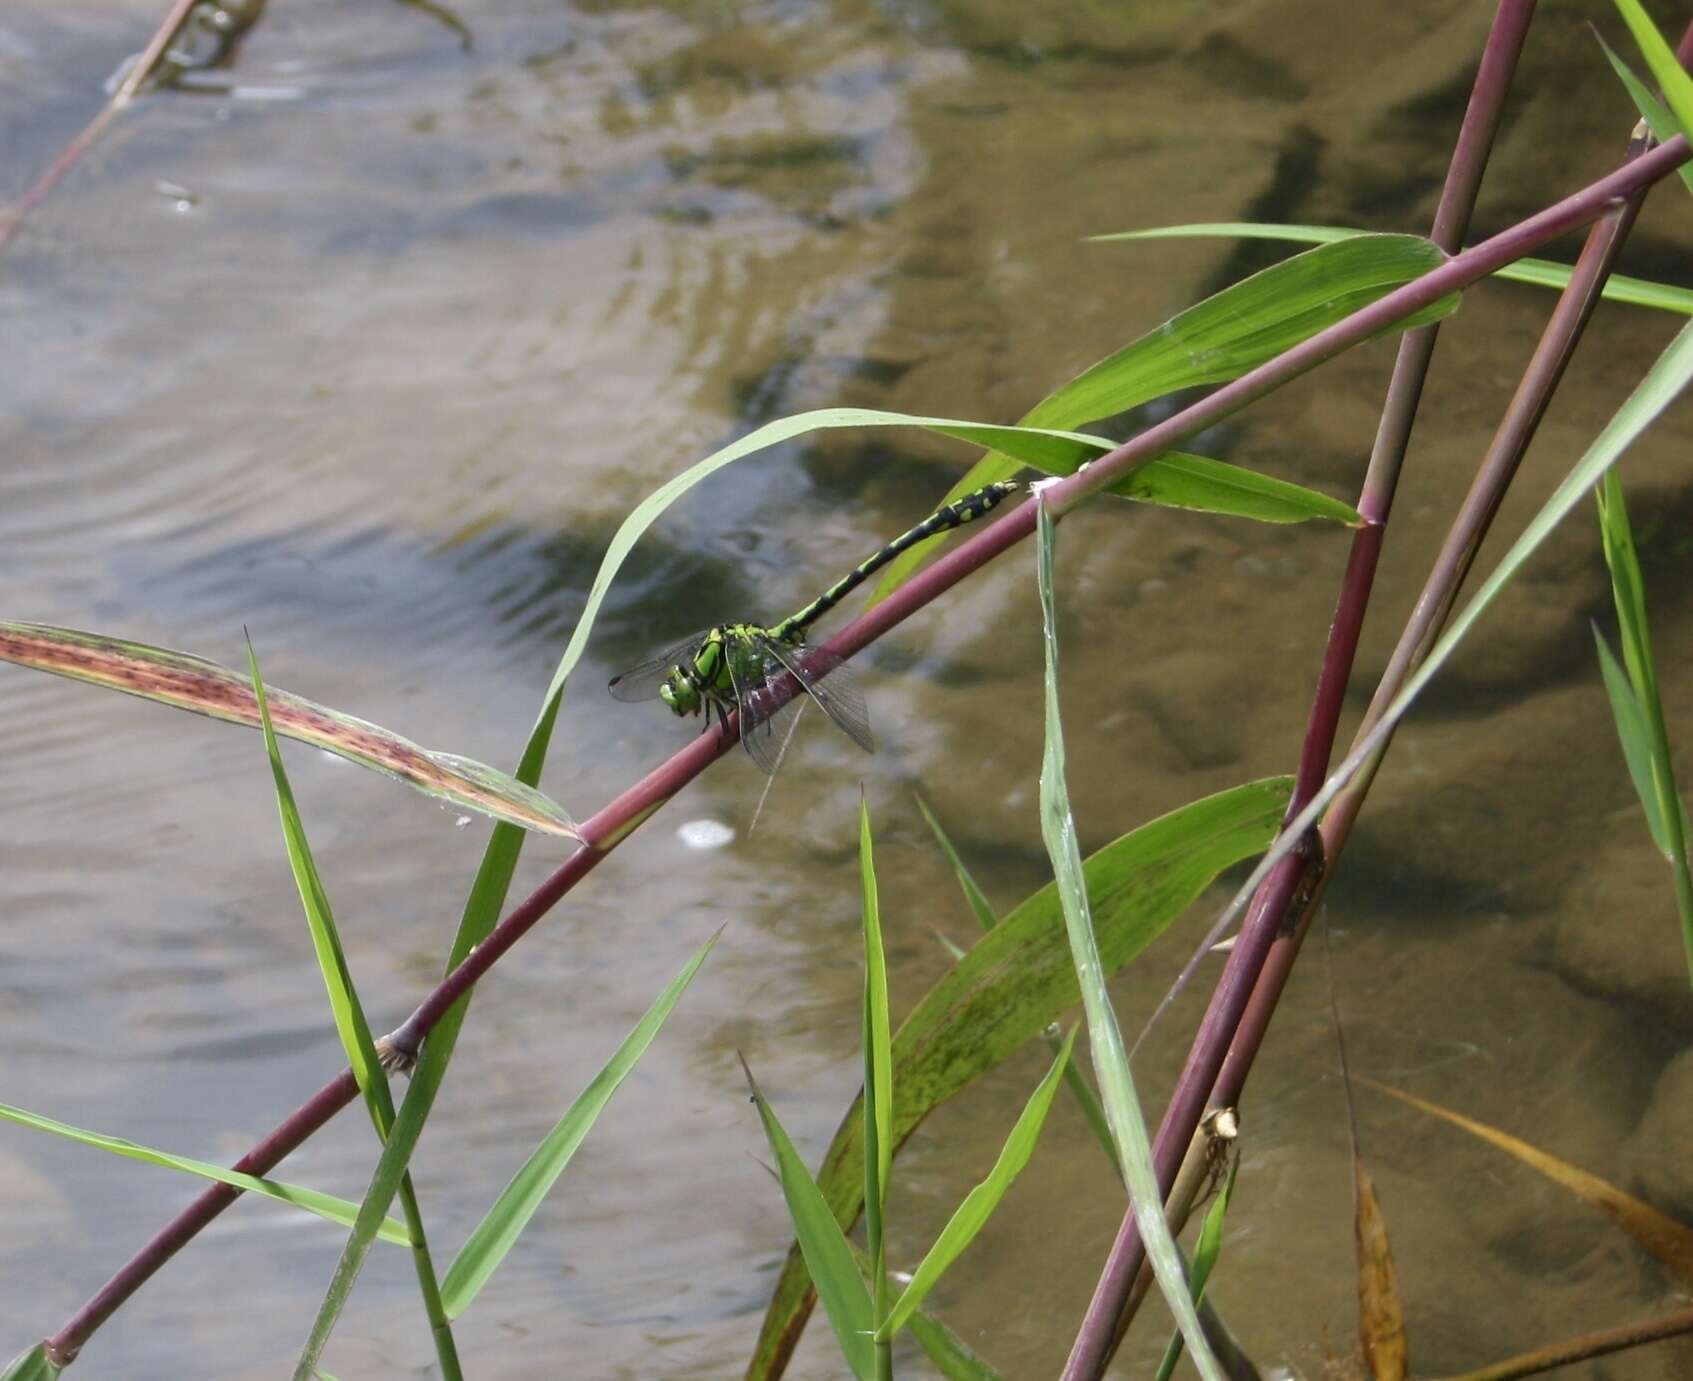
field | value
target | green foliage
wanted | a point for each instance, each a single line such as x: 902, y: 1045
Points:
x: 979, y: 1204
x: 1636, y: 705
x: 1018, y: 978
x: 324, y: 1205
x: 497, y: 1233
x: 1541, y: 273
x: 1666, y: 68
x: 1219, y: 339
x: 1110, y: 1059
x: 1205, y: 1256
x: 827, y: 1256
x: 878, y: 1086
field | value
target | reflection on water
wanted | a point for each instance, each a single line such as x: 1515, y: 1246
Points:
x: 379, y: 384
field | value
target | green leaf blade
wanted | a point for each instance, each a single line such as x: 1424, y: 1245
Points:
x: 325, y: 1206
x: 1636, y: 740
x: 1111, y: 1061
x: 1671, y: 77
x: 492, y: 1238
x: 1205, y: 1254
x: 1203, y: 485
x: 973, y: 895
x: 1658, y: 120
x: 878, y: 1068
x: 1541, y: 273
x: 348, y: 1012
x: 979, y: 1204
x: 1017, y: 979
x: 1218, y: 339
x: 827, y: 1253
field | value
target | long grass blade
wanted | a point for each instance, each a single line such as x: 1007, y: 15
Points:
x: 1205, y: 1254
x: 1652, y: 111
x: 827, y: 1254
x: 324, y: 1205
x: 979, y: 1204
x: 1636, y: 740
x: 1213, y: 341
x: 192, y: 683
x: 344, y: 1005
x: 504, y: 1223
x: 1645, y: 737
x: 1671, y: 77
x: 878, y: 1088
x: 951, y: 1356
x: 1663, y: 383
x: 1074, y: 1079
x: 1541, y: 273
x: 1655, y: 1231
x: 481, y: 912
x: 1016, y: 980
x: 977, y: 899
x: 350, y: 1023
x: 1203, y: 485
x: 1110, y: 1059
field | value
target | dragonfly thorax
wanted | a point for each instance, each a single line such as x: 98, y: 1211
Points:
x: 703, y: 678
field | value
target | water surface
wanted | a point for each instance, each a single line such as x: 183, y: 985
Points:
x: 374, y: 368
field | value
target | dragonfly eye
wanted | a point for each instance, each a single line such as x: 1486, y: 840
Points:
x: 680, y: 694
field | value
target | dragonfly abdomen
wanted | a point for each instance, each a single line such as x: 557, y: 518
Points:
x: 974, y: 505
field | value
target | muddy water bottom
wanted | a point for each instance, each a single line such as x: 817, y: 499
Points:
x: 380, y: 387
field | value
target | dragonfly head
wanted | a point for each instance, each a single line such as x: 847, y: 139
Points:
x: 680, y: 693
x: 686, y: 688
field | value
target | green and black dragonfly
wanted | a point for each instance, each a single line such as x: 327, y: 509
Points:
x: 737, y: 666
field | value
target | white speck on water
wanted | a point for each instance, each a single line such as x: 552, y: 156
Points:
x: 461, y: 822
x: 705, y: 834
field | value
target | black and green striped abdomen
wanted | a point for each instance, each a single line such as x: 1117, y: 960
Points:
x: 967, y: 509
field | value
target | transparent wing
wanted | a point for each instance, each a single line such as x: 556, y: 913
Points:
x: 642, y: 682
x: 839, y: 696
x: 765, y: 726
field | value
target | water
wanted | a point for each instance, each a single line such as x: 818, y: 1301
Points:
x: 377, y: 374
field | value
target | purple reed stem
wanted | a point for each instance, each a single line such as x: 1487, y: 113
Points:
x: 607, y: 828
x: 1516, y: 430
x: 1107, y: 1315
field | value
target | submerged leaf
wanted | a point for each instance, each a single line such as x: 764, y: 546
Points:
x: 1665, y: 1238
x: 1381, y: 1312
x: 192, y: 683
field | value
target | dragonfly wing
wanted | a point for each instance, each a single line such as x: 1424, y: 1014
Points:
x: 840, y: 696
x: 765, y: 726
x: 643, y: 681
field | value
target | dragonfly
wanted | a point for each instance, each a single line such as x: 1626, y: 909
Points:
x: 741, y: 667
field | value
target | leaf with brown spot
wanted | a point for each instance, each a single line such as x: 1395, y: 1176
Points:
x: 1664, y: 1237
x: 193, y: 683
x: 1381, y: 1314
